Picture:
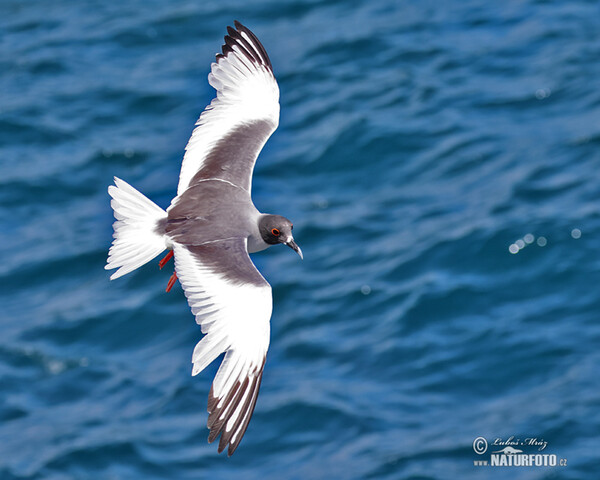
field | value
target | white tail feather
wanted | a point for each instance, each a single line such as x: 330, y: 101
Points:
x: 136, y: 239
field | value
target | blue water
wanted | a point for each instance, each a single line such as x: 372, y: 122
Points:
x: 418, y: 143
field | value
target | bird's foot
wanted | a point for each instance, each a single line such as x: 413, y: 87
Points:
x: 166, y: 258
x: 172, y: 281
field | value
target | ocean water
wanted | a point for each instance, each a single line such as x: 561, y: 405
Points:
x: 440, y: 162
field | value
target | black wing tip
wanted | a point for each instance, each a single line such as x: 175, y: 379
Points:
x: 254, y: 50
x: 231, y: 403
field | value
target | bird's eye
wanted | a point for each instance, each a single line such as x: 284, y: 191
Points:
x: 275, y: 232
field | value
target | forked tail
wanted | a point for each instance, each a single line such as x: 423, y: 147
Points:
x: 137, y: 237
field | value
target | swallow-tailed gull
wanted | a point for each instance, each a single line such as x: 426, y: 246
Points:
x: 210, y: 228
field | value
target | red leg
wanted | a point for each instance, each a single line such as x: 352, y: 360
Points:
x: 166, y: 258
x: 172, y: 281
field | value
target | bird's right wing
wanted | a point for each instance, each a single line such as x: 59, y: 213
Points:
x: 232, y: 302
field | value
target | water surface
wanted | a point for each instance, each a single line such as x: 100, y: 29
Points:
x: 417, y: 143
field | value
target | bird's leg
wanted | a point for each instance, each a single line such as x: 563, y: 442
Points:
x: 172, y: 281
x: 173, y: 278
x: 166, y: 258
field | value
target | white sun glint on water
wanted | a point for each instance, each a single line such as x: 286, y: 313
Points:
x: 541, y: 241
x: 529, y: 239
x: 542, y: 93
x: 521, y: 243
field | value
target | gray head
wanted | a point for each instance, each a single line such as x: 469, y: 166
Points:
x: 276, y: 229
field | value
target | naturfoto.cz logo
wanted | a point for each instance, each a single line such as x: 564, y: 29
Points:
x: 511, y: 453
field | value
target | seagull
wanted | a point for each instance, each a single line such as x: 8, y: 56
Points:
x: 211, y: 227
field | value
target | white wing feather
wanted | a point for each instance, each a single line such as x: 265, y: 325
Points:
x: 246, y: 92
x: 235, y: 319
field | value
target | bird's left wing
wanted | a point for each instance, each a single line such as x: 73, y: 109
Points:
x: 232, y: 130
x: 232, y: 302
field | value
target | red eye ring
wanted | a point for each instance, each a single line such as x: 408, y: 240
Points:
x: 275, y: 232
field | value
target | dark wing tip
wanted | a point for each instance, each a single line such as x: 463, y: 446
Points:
x: 252, y: 49
x: 233, y: 445
x: 230, y: 439
x: 226, y: 48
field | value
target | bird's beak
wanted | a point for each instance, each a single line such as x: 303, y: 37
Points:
x: 290, y: 243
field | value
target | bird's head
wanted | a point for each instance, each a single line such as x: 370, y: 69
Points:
x: 276, y: 229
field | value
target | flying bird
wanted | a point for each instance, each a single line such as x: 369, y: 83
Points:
x: 211, y: 227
